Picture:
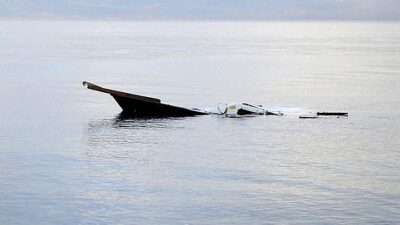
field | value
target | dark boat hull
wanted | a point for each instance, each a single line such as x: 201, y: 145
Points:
x: 143, y: 106
x: 140, y: 108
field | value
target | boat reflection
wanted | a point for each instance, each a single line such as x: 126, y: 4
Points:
x: 126, y: 120
x: 129, y: 121
x: 110, y: 135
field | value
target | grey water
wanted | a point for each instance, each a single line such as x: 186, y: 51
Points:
x: 68, y: 157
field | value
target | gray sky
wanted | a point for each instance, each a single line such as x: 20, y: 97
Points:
x: 202, y: 9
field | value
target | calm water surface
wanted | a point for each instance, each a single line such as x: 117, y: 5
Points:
x: 68, y: 157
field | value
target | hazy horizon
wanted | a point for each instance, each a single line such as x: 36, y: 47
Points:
x: 284, y: 10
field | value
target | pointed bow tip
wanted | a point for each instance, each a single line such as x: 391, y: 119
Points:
x: 88, y: 84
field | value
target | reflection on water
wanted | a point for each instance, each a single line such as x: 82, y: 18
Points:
x: 124, y: 120
x: 120, y: 137
x: 251, y: 165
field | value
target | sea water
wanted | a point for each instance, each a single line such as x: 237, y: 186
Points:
x: 68, y: 157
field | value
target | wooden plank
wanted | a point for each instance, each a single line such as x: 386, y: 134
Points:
x: 308, y: 117
x: 332, y: 114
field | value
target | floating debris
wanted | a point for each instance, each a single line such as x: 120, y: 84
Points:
x: 308, y: 117
x: 332, y: 114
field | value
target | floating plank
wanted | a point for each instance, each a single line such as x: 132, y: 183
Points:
x: 332, y: 114
x: 308, y: 117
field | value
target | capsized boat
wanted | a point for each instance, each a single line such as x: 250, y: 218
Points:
x: 143, y: 106
x: 137, y: 105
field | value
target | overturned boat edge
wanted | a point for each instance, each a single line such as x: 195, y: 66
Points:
x: 138, y: 105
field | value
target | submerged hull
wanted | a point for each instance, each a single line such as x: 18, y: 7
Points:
x: 143, y: 106
x: 137, y: 105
